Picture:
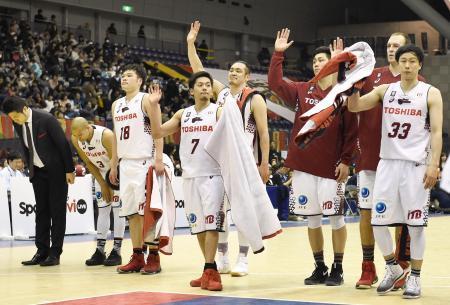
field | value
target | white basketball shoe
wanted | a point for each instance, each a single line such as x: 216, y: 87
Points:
x: 241, y: 266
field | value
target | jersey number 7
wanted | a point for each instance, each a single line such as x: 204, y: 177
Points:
x: 195, y: 142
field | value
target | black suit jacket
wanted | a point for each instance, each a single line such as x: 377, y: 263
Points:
x: 50, y: 142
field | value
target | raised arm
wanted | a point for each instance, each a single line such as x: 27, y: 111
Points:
x: 356, y: 103
x: 436, y: 118
x: 194, y: 60
x: 286, y: 90
x: 151, y: 106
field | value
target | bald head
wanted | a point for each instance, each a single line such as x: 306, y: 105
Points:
x: 80, y: 129
x: 78, y: 123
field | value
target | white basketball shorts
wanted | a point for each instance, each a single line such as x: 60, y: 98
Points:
x: 399, y: 195
x: 316, y: 195
x: 133, y: 175
x: 203, y: 198
x: 366, y: 181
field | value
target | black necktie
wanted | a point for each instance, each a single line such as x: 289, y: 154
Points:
x: 30, y: 151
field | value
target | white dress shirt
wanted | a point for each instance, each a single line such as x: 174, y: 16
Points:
x: 6, y: 174
x: 36, y: 160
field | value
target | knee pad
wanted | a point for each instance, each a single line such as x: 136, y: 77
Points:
x: 337, y: 222
x: 314, y: 222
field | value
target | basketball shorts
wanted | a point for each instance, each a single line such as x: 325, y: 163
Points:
x: 101, y: 203
x: 399, y: 195
x: 366, y: 181
x: 133, y: 175
x: 204, y: 203
x: 316, y: 195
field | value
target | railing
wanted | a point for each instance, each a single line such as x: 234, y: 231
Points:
x: 40, y: 27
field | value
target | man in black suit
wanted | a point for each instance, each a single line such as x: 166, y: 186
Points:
x: 49, y: 160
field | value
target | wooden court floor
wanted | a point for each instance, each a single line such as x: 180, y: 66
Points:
x: 277, y: 273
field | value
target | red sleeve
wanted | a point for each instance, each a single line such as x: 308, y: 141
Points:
x: 350, y: 135
x: 286, y: 90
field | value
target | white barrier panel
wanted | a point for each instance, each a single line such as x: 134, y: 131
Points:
x: 80, y: 209
x: 177, y: 185
x: 80, y: 206
x: 5, y: 229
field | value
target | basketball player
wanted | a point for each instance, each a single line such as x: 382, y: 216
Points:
x: 134, y: 146
x: 321, y: 168
x: 94, y: 146
x: 202, y: 183
x: 411, y: 118
x: 369, y: 137
x: 254, y: 109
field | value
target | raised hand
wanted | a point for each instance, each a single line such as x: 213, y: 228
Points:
x: 281, y: 43
x: 155, y: 94
x: 192, y: 35
x: 337, y: 47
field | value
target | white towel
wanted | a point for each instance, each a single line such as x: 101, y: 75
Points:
x: 251, y: 209
x: 363, y: 68
x: 159, y: 211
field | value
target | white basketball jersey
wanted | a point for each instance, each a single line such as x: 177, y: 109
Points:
x: 248, y: 119
x: 196, y: 128
x: 132, y: 129
x: 95, y: 151
x: 405, y: 133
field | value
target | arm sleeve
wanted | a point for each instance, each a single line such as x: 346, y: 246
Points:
x: 350, y: 135
x: 61, y: 144
x: 286, y: 90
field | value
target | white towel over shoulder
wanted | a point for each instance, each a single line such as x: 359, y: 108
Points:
x: 251, y: 209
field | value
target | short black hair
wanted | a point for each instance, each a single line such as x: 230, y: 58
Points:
x: 247, y: 67
x: 138, y: 69
x: 410, y: 48
x: 322, y: 49
x: 197, y: 75
x: 13, y: 104
x: 13, y: 155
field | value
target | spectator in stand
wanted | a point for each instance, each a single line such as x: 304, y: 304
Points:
x: 60, y: 117
x: 111, y: 30
x: 203, y: 50
x: 65, y: 100
x: 264, y: 57
x: 69, y: 113
x: 141, y: 33
x: 39, y: 18
x: 273, y: 152
x: 50, y: 103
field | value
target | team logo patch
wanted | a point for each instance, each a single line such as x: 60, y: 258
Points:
x: 365, y: 192
x: 192, y: 218
x: 380, y: 207
x: 98, y: 195
x: 302, y: 200
x: 209, y: 219
x: 197, y: 119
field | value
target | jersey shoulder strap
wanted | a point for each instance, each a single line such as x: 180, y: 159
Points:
x: 246, y: 96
